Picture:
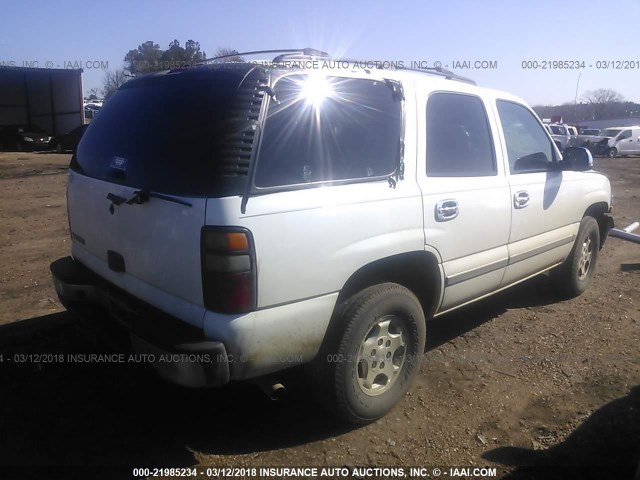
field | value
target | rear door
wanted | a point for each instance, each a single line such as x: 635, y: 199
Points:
x: 157, y: 242
x: 465, y: 195
x: 139, y: 182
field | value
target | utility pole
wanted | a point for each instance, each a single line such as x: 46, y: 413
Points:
x: 575, y: 100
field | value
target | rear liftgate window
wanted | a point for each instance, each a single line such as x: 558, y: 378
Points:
x: 187, y: 133
x: 323, y: 129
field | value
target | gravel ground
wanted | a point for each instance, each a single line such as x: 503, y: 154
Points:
x: 519, y: 379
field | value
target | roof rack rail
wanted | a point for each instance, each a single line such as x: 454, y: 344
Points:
x: 448, y: 74
x: 284, y: 53
x: 438, y: 71
x: 302, y: 53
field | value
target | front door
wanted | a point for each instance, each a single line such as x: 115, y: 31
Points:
x: 625, y: 143
x: 543, y: 221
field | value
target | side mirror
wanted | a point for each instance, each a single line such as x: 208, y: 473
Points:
x: 578, y: 159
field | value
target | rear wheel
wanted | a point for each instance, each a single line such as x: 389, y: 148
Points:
x: 376, y: 354
x: 574, y: 276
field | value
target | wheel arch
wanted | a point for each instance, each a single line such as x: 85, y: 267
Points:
x: 599, y: 212
x: 417, y: 271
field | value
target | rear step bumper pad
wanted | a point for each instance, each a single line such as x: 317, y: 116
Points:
x: 183, y: 358
x: 203, y: 364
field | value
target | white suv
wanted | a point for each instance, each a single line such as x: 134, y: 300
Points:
x: 253, y: 217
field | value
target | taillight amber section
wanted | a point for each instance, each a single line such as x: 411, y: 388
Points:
x: 229, y: 280
x: 238, y: 242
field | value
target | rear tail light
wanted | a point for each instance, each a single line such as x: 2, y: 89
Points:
x: 229, y: 281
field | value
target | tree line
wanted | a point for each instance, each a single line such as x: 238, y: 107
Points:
x: 600, y: 104
x: 149, y: 57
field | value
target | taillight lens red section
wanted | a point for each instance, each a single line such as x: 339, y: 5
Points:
x: 228, y: 262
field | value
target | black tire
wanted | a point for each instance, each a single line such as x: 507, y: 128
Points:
x: 60, y: 148
x: 359, y: 386
x: 612, y: 153
x: 574, y: 276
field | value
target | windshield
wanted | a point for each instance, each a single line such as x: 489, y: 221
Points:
x: 164, y: 134
x: 591, y: 132
x: 611, y: 132
x: 556, y: 130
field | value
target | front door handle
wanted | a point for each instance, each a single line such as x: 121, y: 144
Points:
x: 446, y: 210
x: 521, y: 199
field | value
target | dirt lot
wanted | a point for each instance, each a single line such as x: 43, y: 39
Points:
x: 519, y: 379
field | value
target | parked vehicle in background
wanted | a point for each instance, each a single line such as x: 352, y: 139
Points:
x: 591, y: 139
x: 548, y: 129
x: 573, y: 136
x: 91, y: 109
x: 94, y: 104
x: 621, y: 141
x: 24, y: 137
x: 589, y: 136
x: 243, y: 216
x: 560, y: 135
x: 68, y: 141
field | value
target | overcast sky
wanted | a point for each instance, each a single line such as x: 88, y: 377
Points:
x: 504, y: 32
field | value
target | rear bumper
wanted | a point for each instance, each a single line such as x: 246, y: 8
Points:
x: 179, y: 352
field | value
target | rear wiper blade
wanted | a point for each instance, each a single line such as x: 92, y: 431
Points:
x: 170, y: 199
x: 142, y: 196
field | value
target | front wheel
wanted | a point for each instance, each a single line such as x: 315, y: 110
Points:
x: 612, y: 153
x: 574, y: 276
x: 377, y: 353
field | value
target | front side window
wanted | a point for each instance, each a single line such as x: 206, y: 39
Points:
x: 323, y: 129
x: 624, y: 135
x: 528, y: 146
x: 459, y: 142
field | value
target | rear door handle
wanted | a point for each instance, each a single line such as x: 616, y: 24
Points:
x: 521, y: 199
x: 446, y: 210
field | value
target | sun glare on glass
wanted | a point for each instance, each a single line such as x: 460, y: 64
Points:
x: 315, y: 90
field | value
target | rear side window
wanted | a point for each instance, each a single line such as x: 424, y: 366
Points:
x: 322, y: 129
x: 459, y: 142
